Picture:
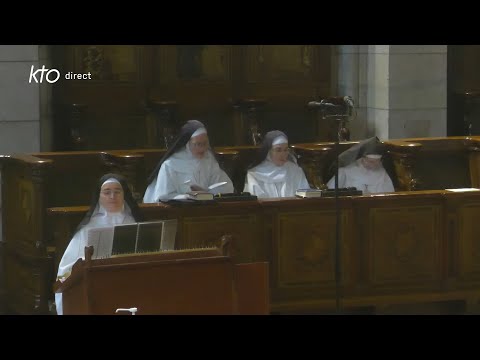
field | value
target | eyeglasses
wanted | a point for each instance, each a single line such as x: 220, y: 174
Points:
x: 199, y: 144
x: 109, y: 193
x: 281, y: 150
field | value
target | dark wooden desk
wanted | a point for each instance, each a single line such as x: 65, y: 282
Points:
x: 398, y: 248
x: 32, y: 183
x: 189, y: 282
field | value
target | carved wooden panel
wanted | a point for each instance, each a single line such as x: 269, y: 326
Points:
x: 279, y: 62
x: 25, y: 216
x: 28, y: 283
x: 19, y: 201
x: 203, y: 62
x: 198, y: 78
x: 303, y: 257
x: 469, y: 241
x: 404, y: 246
x: 73, y: 177
x: 206, y: 231
x: 287, y: 76
x: 108, y: 62
x: 203, y: 80
x: 113, y: 97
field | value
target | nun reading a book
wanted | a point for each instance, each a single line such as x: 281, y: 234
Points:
x: 112, y: 204
x: 275, y: 172
x: 361, y: 167
x: 188, y: 165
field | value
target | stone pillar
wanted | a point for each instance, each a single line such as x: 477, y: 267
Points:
x: 350, y: 68
x: 25, y: 108
x: 400, y: 91
x: 417, y: 91
x: 19, y: 101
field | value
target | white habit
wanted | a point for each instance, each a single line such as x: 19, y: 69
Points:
x: 181, y: 170
x: 76, y: 248
x: 369, y: 181
x: 268, y: 180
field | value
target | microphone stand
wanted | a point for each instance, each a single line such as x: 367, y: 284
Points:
x: 338, y: 247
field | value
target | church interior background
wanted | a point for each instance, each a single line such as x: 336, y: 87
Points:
x: 137, y: 96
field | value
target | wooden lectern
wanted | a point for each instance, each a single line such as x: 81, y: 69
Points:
x: 187, y: 282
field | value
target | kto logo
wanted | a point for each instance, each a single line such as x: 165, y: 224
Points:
x: 51, y: 78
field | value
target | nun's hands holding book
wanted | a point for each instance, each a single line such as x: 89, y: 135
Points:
x: 197, y: 188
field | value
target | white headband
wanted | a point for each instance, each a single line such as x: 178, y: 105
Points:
x: 199, y: 131
x: 111, y: 180
x: 280, y: 140
x: 373, y: 156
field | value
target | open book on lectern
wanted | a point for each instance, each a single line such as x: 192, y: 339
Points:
x: 136, y: 238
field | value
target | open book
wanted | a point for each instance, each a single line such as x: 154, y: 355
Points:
x: 211, y: 187
x: 136, y: 238
x: 201, y: 195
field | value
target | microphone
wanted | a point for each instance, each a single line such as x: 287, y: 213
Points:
x: 348, y: 100
x: 315, y: 104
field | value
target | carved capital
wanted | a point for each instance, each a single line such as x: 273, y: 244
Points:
x: 313, y: 161
x: 472, y: 146
x: 40, y: 172
x: 404, y: 156
x: 246, y: 120
x: 161, y: 122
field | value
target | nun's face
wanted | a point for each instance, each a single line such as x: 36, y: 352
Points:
x: 111, y: 197
x: 199, y: 145
x: 279, y: 154
x: 371, y: 163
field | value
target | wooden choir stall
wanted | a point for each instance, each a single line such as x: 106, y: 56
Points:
x: 417, y: 244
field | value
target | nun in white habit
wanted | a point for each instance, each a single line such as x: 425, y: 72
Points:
x: 112, y: 204
x: 275, y: 172
x: 188, y: 165
x: 361, y: 167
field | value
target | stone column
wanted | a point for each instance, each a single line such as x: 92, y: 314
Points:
x: 19, y: 101
x: 417, y: 86
x: 25, y: 108
x: 400, y: 91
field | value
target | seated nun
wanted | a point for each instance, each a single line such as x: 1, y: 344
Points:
x: 361, y: 167
x: 275, y: 172
x: 112, y: 204
x: 188, y: 165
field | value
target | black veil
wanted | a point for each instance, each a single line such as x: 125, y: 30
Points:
x: 266, y: 146
x: 129, y: 200
x: 180, y: 142
x: 369, y: 146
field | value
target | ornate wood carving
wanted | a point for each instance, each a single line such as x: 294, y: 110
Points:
x: 303, y: 254
x: 205, y: 231
x: 306, y: 249
x: 473, y: 148
x: 407, y: 251
x: 246, y: 121
x: 28, y: 282
x: 404, y: 157
x: 162, y: 126
x: 464, y: 245
x: 312, y: 160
